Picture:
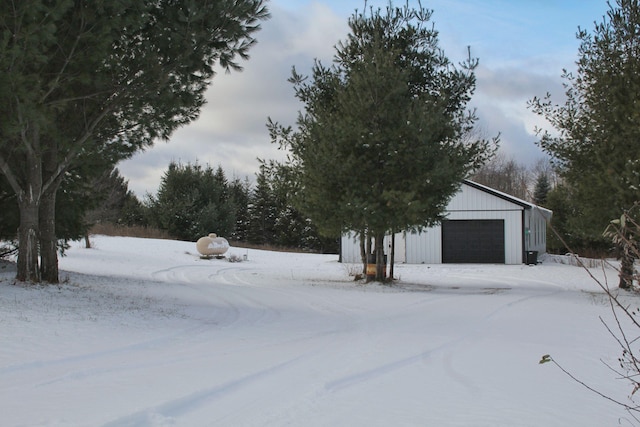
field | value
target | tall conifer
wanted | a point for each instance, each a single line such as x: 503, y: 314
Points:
x: 383, y: 143
x: 597, y: 138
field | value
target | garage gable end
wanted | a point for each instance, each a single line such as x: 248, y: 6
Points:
x: 475, y: 197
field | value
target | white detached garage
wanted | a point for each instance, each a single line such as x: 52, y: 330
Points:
x: 482, y: 225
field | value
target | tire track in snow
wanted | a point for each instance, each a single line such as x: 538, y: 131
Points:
x: 186, y: 275
x: 230, y: 316
x: 216, y: 287
x: 176, y: 408
x: 143, y: 345
x: 235, y: 282
x: 387, y: 368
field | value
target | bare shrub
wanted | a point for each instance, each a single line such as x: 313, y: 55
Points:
x: 234, y: 258
x: 625, y: 328
x: 579, y: 261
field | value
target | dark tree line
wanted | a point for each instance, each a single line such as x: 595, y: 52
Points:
x: 82, y: 201
x: 192, y: 201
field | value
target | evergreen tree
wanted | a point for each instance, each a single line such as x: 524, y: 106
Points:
x: 261, y: 210
x: 109, y: 194
x: 80, y: 192
x: 111, y: 190
x: 191, y: 203
x: 9, y: 207
x: 221, y: 184
x: 292, y: 228
x: 102, y: 78
x: 383, y: 143
x: 598, y: 128
x: 541, y: 189
x: 239, y: 192
x: 219, y: 214
x: 133, y: 212
x: 273, y: 216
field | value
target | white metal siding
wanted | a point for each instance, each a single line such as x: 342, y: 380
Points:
x: 472, y: 203
x: 426, y: 247
x: 350, y: 247
x: 536, y: 224
x: 350, y: 244
x: 400, y: 248
x: 473, y: 199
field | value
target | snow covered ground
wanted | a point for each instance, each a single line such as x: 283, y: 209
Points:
x: 145, y: 333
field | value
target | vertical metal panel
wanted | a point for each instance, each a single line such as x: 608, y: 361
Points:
x: 400, y: 254
x: 470, y: 203
x: 425, y: 247
x: 350, y: 245
x: 473, y: 199
x: 537, y: 226
x: 401, y: 247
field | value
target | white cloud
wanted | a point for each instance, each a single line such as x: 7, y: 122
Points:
x: 522, y: 49
x: 231, y: 130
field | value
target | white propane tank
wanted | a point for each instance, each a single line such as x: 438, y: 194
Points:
x: 212, y: 245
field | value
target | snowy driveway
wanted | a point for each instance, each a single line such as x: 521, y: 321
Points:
x: 147, y: 334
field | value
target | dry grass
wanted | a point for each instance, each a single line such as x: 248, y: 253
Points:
x: 109, y: 229
x: 582, y: 261
x: 268, y: 247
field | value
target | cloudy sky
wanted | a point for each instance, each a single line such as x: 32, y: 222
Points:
x: 522, y: 45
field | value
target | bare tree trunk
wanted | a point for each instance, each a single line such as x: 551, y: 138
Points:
x: 368, y: 250
x: 380, y: 264
x: 28, y: 269
x: 363, y: 253
x: 48, y: 240
x: 626, y: 268
x: 29, y: 198
x: 28, y: 191
x: 48, y: 236
x: 392, y: 255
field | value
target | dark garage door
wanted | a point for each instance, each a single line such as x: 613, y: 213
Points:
x: 473, y: 241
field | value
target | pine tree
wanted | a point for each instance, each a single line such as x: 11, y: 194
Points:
x: 598, y: 126
x: 110, y: 190
x: 219, y: 213
x: 133, y: 212
x: 10, y: 215
x: 541, y: 189
x: 191, y: 203
x: 261, y: 210
x: 384, y: 142
x: 101, y: 78
x: 239, y: 192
